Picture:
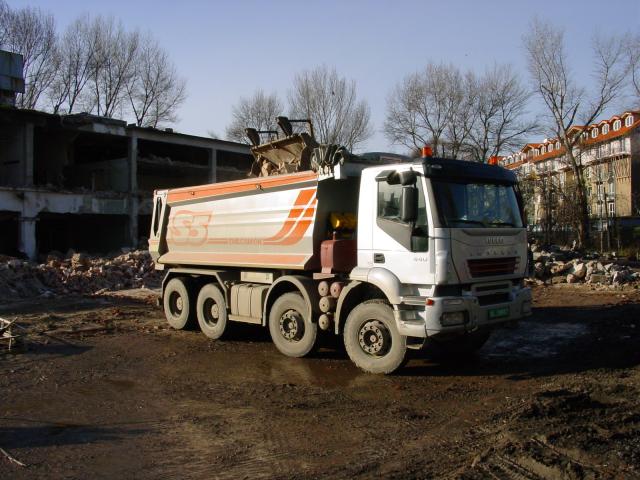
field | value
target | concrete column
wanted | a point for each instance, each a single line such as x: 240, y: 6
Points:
x: 28, y: 155
x: 213, y: 165
x: 132, y: 162
x: 27, y: 240
x: 133, y: 220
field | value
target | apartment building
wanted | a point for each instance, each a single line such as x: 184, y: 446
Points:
x: 609, y: 155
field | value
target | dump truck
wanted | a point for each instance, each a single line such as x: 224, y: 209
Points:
x: 404, y: 254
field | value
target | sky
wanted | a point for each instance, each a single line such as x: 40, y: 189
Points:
x: 228, y: 49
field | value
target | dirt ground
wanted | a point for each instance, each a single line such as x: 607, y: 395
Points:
x: 556, y: 397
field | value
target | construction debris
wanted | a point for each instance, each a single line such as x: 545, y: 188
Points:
x: 7, y: 337
x: 77, y: 273
x: 11, y: 458
x: 566, y: 266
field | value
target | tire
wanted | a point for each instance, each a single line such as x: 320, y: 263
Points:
x: 291, y: 331
x: 372, y: 340
x: 178, y: 304
x: 211, y: 311
x: 458, y: 348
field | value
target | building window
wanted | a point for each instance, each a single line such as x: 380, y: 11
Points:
x: 628, y: 121
x: 551, y: 147
x: 543, y: 150
x: 605, y: 129
x: 536, y: 152
x: 557, y: 145
x: 612, y: 209
x: 594, y: 132
x: 612, y: 188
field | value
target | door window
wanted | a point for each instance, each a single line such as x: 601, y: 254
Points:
x: 413, y: 236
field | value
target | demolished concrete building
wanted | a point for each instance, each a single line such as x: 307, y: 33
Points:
x: 86, y: 182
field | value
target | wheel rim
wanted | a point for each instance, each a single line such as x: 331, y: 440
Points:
x: 176, y: 304
x: 291, y: 326
x: 211, y: 312
x: 374, y: 338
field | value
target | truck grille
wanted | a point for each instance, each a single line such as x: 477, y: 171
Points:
x: 488, y: 267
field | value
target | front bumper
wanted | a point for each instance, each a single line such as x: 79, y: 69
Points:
x: 413, y: 320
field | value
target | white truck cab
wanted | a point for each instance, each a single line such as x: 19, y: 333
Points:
x: 456, y: 263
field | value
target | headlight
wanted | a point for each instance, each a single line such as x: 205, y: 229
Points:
x: 449, y: 319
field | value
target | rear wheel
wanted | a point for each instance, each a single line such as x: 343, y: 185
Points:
x: 211, y: 310
x: 291, y: 331
x: 178, y: 304
x: 372, y: 340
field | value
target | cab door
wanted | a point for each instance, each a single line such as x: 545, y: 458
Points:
x: 400, y: 246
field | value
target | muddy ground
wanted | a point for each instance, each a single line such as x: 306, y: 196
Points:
x: 556, y: 397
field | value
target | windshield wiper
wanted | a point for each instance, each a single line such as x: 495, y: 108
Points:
x: 472, y: 222
x: 503, y: 224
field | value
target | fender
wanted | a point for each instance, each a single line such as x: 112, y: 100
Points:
x: 381, y: 278
x: 304, y: 285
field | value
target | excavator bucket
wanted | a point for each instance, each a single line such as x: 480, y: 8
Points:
x: 284, y: 155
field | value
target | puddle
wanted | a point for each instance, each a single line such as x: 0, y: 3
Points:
x: 534, y: 340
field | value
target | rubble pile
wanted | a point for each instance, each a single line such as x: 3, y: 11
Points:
x: 565, y: 266
x: 77, y: 273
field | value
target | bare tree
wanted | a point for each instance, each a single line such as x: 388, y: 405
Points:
x: 31, y: 33
x: 568, y: 102
x: 427, y: 108
x: 499, y: 111
x: 633, y: 53
x: 155, y: 91
x: 464, y: 116
x: 528, y: 190
x: 258, y: 111
x: 4, y: 22
x: 76, y: 54
x: 112, y: 66
x: 330, y: 102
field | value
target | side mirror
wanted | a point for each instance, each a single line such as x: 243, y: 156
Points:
x: 407, y: 177
x: 409, y: 204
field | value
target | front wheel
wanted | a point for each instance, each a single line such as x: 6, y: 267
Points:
x: 372, y: 340
x: 292, y: 333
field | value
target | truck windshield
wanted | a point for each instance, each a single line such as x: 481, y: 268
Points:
x: 479, y: 205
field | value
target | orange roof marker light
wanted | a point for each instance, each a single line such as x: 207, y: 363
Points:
x: 427, y: 152
x: 493, y: 160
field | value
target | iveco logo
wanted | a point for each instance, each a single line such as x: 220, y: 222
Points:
x: 495, y: 240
